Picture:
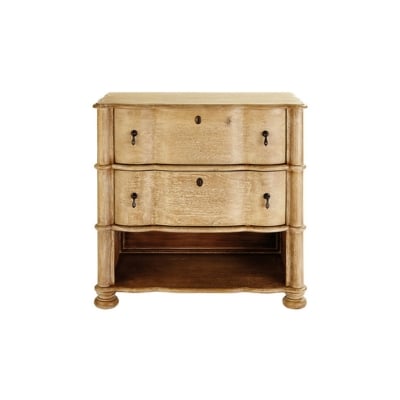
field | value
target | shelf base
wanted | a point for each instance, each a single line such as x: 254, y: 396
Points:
x: 200, y: 272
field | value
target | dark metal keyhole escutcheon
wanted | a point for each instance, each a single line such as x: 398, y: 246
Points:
x: 134, y: 197
x: 267, y: 196
x: 199, y: 182
x: 265, y: 134
x: 133, y: 134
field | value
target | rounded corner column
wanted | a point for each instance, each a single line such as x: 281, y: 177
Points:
x: 295, y: 287
x: 106, y: 237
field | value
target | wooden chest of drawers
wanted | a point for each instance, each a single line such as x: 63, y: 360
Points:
x: 200, y: 192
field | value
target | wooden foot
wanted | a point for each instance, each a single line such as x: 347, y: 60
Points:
x: 295, y: 298
x: 106, y: 297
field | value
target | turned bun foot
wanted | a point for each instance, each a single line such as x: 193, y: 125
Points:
x: 106, y: 298
x: 294, y: 303
x: 295, y: 298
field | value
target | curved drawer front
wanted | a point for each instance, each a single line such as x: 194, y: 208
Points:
x: 200, y: 135
x: 200, y: 198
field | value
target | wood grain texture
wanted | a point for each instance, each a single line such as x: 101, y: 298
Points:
x: 226, y: 135
x: 105, y: 197
x: 295, y: 198
x: 295, y: 136
x: 105, y: 143
x: 187, y: 98
x: 224, y: 199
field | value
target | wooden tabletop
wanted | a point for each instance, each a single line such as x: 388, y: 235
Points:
x: 188, y: 98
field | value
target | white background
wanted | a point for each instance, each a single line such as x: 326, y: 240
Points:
x: 60, y: 57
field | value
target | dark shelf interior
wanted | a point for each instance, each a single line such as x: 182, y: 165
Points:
x: 241, y: 261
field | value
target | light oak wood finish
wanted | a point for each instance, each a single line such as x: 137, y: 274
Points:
x: 183, y: 236
x: 223, y: 199
x: 200, y: 168
x: 294, y: 236
x: 224, y: 135
x: 105, y: 211
x: 129, y: 99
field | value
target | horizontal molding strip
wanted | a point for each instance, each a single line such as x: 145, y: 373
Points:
x: 216, y: 168
x: 199, y: 229
x: 297, y: 229
x: 213, y: 168
x: 103, y: 227
x: 103, y: 167
x: 121, y: 288
x: 203, y: 168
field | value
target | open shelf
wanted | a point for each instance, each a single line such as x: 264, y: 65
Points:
x: 200, y: 272
x: 200, y: 262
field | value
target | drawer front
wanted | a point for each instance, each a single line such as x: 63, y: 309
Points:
x: 200, y: 135
x: 200, y: 198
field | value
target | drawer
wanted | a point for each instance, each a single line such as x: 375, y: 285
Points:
x: 200, y: 135
x: 231, y: 198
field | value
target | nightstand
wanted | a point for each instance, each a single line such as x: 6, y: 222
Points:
x: 200, y: 192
